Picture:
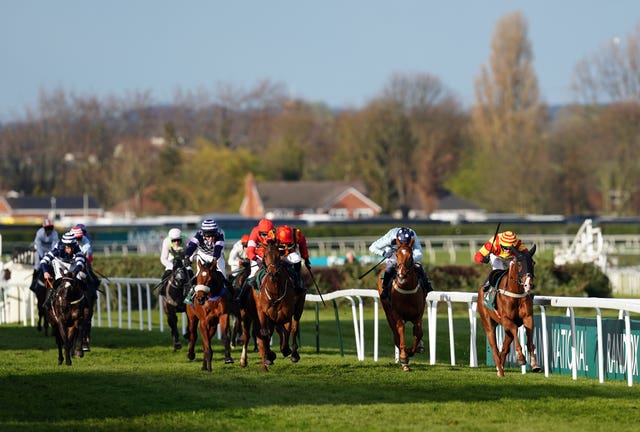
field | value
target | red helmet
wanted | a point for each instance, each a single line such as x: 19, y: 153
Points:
x: 47, y: 223
x: 285, y: 234
x: 244, y: 240
x: 77, y: 232
x: 265, y: 225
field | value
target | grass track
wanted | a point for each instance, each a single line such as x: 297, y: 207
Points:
x: 131, y: 380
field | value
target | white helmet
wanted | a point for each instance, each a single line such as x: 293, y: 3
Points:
x: 175, y: 234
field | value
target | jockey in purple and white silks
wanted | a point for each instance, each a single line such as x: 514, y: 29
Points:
x: 387, y: 245
x: 206, y: 245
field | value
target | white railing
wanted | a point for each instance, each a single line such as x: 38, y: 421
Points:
x: 124, y: 287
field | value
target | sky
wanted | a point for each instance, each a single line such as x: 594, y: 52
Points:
x: 338, y: 52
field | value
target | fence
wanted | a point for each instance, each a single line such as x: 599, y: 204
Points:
x: 126, y: 297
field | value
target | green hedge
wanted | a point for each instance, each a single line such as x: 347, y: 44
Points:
x: 575, y: 280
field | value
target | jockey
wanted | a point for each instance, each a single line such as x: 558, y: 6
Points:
x: 238, y: 256
x: 255, y: 252
x: 498, y: 251
x: 173, y: 243
x: 46, y: 238
x: 64, y: 257
x: 207, y: 243
x: 293, y: 248
x: 86, y: 246
x: 387, y: 245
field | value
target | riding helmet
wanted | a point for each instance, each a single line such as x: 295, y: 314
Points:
x: 285, y: 234
x: 507, y: 239
x: 175, y: 234
x: 404, y: 235
x: 69, y: 238
x: 209, y: 226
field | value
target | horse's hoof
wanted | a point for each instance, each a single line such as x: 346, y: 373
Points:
x: 420, y: 349
x: 286, y: 352
x: 228, y: 360
x: 536, y: 369
x: 406, y: 368
x: 271, y: 356
x: 191, y: 355
x: 295, y: 357
x: 86, y: 347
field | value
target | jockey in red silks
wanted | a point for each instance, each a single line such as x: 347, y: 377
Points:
x: 264, y: 231
x: 293, y: 248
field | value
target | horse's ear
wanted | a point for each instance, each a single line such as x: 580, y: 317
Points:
x: 532, y: 251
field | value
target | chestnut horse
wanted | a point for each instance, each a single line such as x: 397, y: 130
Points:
x: 278, y: 307
x: 513, y: 308
x: 406, y: 303
x: 211, y: 307
x: 173, y: 294
x: 66, y: 315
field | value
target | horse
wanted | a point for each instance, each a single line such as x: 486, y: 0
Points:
x: 66, y: 314
x: 239, y: 310
x: 173, y: 293
x: 406, y: 303
x: 211, y: 307
x: 514, y: 307
x: 278, y: 306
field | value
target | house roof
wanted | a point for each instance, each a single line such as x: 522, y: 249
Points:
x: 47, y: 203
x: 303, y: 195
x: 450, y: 201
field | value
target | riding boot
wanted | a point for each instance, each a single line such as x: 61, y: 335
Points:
x: 486, y: 285
x: 34, y: 281
x: 386, y: 284
x: 49, y: 298
x: 425, y: 283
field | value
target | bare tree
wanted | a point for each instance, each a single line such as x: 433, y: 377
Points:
x: 507, y: 124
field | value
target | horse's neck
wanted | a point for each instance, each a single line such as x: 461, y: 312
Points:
x: 512, y: 278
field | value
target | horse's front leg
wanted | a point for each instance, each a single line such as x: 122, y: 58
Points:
x: 172, y: 321
x: 402, y: 345
x: 206, y: 331
x: 511, y: 335
x: 193, y: 336
x: 295, y: 325
x: 417, y: 336
x: 490, y: 330
x: 226, y: 338
x: 285, y: 333
x: 528, y: 326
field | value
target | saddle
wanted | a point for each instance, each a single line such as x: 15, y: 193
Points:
x: 489, y: 299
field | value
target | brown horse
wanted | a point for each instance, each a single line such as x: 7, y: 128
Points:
x: 211, y: 306
x: 513, y: 308
x: 278, y: 307
x: 406, y: 303
x: 66, y: 315
x: 173, y: 293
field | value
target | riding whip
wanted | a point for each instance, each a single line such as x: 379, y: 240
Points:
x: 314, y: 282
x: 372, y: 268
x: 495, y: 236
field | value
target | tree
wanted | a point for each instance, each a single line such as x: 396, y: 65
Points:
x: 606, y: 86
x: 507, y: 124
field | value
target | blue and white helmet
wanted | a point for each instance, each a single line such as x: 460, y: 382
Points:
x: 209, y: 226
x: 69, y: 238
x: 404, y: 235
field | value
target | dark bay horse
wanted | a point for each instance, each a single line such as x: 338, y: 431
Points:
x: 278, y: 307
x: 514, y: 308
x: 66, y: 315
x: 406, y: 303
x: 211, y: 307
x: 173, y: 293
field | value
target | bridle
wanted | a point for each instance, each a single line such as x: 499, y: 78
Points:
x: 273, y: 270
x: 404, y: 267
x: 523, y: 264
